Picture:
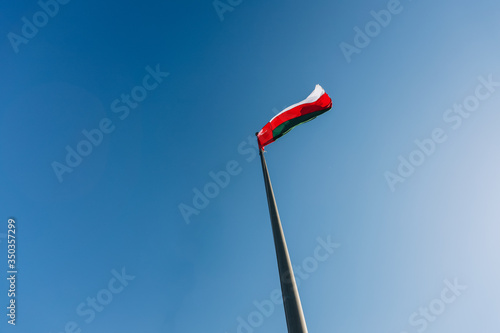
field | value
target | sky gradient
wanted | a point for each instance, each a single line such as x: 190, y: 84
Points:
x: 162, y: 97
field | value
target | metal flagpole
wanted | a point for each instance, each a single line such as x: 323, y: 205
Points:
x: 295, y: 320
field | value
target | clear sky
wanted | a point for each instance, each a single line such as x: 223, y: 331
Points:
x: 115, y: 116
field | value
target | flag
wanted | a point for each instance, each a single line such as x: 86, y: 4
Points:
x: 316, y: 103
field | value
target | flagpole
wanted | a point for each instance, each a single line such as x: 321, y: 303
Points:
x: 295, y: 320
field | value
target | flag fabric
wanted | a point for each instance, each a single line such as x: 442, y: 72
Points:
x: 316, y: 103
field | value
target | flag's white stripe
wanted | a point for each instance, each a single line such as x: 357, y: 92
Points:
x: 313, y: 97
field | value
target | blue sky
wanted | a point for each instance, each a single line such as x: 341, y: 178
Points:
x: 416, y: 228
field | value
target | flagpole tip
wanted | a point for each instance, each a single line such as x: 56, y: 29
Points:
x: 261, y: 149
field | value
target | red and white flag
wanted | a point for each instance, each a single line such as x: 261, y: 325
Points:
x: 316, y: 103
